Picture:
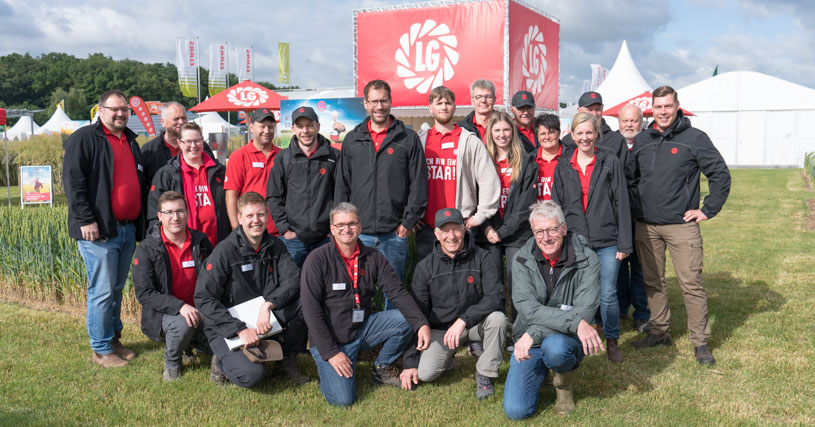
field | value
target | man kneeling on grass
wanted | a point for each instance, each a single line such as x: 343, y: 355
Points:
x: 556, y: 289
x: 459, y: 290
x: 250, y: 263
x: 339, y: 281
x: 165, y: 269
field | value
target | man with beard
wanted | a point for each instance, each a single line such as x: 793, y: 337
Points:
x: 482, y: 96
x: 523, y: 112
x: 592, y: 102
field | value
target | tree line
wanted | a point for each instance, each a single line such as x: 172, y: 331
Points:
x: 35, y: 83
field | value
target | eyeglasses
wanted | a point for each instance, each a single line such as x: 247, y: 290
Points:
x: 553, y: 231
x: 483, y: 97
x: 117, y: 110
x: 180, y: 212
x: 378, y: 101
x: 348, y: 225
x: 198, y: 141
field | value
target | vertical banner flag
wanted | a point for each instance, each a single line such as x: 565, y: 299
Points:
x: 244, y: 58
x: 186, y: 61
x: 598, y: 75
x: 2, y: 116
x: 283, y: 55
x: 94, y: 111
x: 142, y: 111
x: 217, y: 68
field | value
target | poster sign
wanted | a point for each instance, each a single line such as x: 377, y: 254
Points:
x: 534, y: 56
x: 337, y: 116
x: 35, y: 185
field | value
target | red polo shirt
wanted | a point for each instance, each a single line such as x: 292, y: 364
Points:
x: 440, y: 154
x: 378, y: 137
x: 248, y: 170
x: 529, y: 133
x: 349, y: 261
x: 505, y: 174
x: 125, y: 199
x: 182, y: 267
x: 173, y: 150
x: 585, y: 178
x: 481, y: 130
x: 546, y: 172
x: 198, y: 194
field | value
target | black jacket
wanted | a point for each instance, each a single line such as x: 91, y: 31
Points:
x: 663, y: 173
x: 169, y: 178
x: 607, y: 219
x: 609, y: 140
x: 469, y: 124
x: 87, y: 176
x: 529, y: 146
x: 467, y: 286
x: 155, y: 155
x: 389, y: 186
x: 328, y: 312
x: 228, y: 280
x: 513, y: 228
x: 300, y: 190
x: 153, y: 278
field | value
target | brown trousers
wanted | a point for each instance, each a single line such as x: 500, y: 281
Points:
x: 684, y: 241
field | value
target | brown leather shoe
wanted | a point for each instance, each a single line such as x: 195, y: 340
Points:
x: 110, y: 360
x: 613, y: 351
x: 120, y: 350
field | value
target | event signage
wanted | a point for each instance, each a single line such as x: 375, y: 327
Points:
x: 142, y: 111
x: 35, y: 185
x: 245, y: 63
x: 187, y: 64
x: 217, y: 68
x: 337, y: 116
x: 418, y: 47
x: 283, y: 59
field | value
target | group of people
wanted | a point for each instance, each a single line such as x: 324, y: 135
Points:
x: 573, y: 232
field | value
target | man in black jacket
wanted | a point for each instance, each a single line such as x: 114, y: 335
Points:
x: 339, y: 281
x: 248, y: 264
x: 104, y: 181
x: 382, y: 171
x: 663, y: 172
x: 592, y: 102
x: 300, y: 189
x: 523, y: 113
x: 482, y: 96
x: 165, y: 269
x: 459, y: 289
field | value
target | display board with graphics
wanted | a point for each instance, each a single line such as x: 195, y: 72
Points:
x: 337, y: 117
x: 35, y: 185
x: 418, y: 47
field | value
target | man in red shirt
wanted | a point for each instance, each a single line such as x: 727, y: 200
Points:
x: 482, y: 95
x: 248, y: 167
x: 459, y: 171
x: 523, y: 112
x: 166, y: 294
x: 103, y: 179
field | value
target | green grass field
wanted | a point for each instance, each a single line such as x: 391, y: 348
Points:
x: 759, y: 274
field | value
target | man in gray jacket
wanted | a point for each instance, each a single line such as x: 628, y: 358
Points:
x: 460, y: 173
x: 556, y: 289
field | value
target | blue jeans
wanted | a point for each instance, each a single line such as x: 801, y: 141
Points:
x: 609, y: 306
x: 395, y: 250
x: 558, y: 352
x: 385, y: 327
x: 631, y: 288
x: 300, y: 250
x: 107, y: 262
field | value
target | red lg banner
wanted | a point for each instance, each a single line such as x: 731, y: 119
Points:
x: 417, y: 49
x: 2, y: 116
x: 142, y: 111
x: 534, y: 55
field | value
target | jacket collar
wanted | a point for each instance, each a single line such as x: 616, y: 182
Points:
x: 323, y: 147
x: 680, y: 124
x: 99, y: 130
x: 466, y: 251
x: 242, y: 242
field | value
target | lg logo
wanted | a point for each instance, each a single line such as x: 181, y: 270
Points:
x: 534, y: 60
x: 247, y: 96
x: 426, y: 56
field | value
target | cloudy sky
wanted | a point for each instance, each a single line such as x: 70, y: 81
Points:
x: 673, y: 42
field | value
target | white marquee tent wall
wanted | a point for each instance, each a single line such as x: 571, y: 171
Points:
x: 22, y: 129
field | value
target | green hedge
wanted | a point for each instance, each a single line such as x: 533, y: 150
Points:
x: 809, y: 165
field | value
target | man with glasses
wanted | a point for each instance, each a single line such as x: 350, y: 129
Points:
x: 166, y: 291
x: 104, y: 178
x: 482, y: 95
x: 337, y: 284
x: 382, y: 171
x: 556, y: 289
x: 523, y: 113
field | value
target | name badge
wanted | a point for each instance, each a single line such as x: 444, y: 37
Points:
x: 246, y: 267
x: 338, y: 286
x: 140, y: 167
x: 448, y: 145
x: 258, y: 165
x: 565, y: 307
x: 188, y: 264
x: 506, y: 171
x: 358, y: 316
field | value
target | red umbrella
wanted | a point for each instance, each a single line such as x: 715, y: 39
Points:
x: 244, y: 96
x: 643, y: 101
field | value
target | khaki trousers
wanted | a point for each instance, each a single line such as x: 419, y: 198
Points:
x: 684, y: 242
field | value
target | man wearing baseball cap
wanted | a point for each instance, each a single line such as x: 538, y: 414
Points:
x: 249, y: 166
x: 300, y: 190
x: 459, y: 290
x: 592, y: 102
x: 523, y: 110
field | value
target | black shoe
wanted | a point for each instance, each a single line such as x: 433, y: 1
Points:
x: 483, y: 386
x: 476, y: 349
x: 216, y: 375
x: 642, y: 326
x: 387, y: 375
x: 171, y: 374
x: 289, y: 367
x: 653, y: 340
x: 704, y: 356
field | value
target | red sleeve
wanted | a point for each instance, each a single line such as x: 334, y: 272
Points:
x: 235, y: 172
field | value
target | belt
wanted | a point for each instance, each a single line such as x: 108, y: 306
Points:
x: 123, y: 222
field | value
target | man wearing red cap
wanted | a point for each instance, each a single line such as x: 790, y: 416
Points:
x: 592, y: 102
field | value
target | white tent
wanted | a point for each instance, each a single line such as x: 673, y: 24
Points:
x: 212, y: 122
x: 23, y: 129
x: 624, y: 80
x: 58, y: 122
x: 754, y: 119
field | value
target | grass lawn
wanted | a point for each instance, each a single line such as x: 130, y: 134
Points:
x: 759, y: 275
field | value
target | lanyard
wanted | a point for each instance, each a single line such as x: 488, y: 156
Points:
x: 355, y: 278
